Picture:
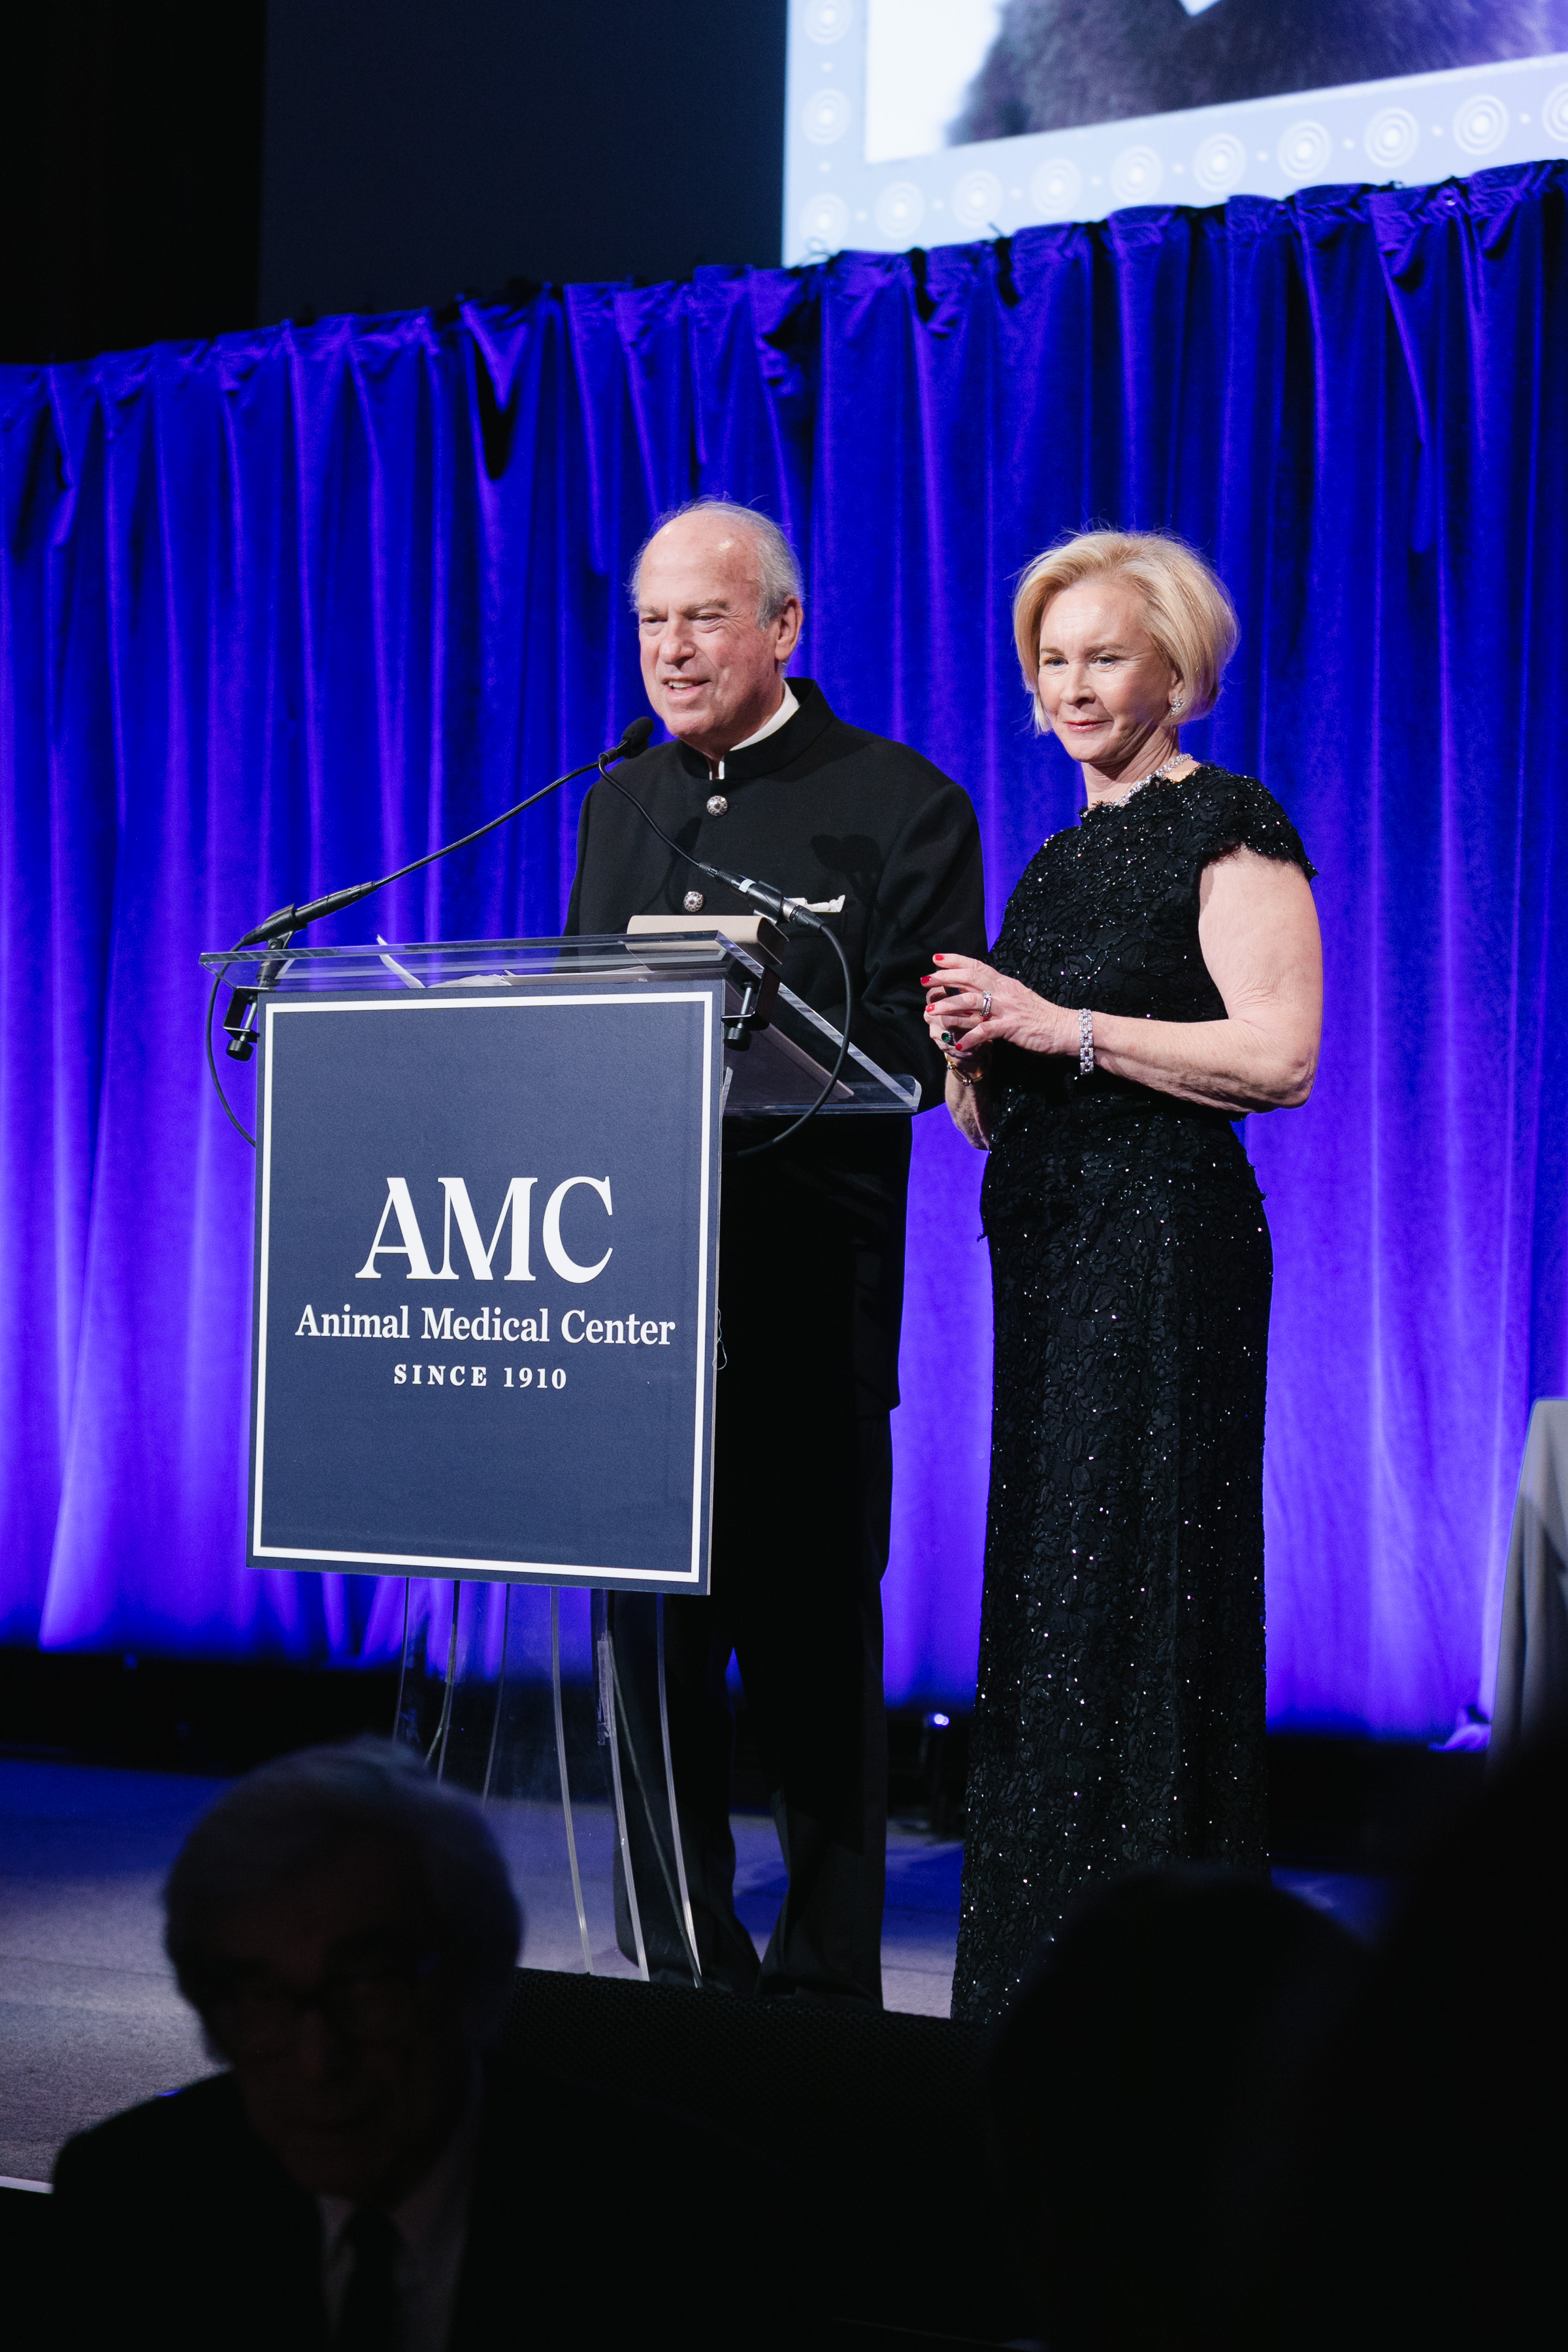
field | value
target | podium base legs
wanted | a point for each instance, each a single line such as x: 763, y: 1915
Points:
x: 515, y: 1692
x: 565, y: 1774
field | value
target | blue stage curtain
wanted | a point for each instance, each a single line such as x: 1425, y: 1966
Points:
x: 281, y: 611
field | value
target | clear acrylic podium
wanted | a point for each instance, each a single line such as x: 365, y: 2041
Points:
x: 509, y: 1689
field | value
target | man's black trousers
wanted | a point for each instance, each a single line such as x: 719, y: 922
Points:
x: 811, y: 1285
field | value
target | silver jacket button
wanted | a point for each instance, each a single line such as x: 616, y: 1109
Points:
x: 717, y: 805
x: 692, y: 902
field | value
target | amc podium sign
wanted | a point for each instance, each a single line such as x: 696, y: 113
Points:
x: 486, y: 1279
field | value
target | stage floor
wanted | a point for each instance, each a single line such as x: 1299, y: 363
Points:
x: 90, y: 2019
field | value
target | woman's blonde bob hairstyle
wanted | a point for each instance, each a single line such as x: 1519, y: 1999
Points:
x: 1186, y: 608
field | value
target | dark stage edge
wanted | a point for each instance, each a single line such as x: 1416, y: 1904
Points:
x: 1336, y: 1799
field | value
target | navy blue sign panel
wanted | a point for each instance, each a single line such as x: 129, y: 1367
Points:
x: 486, y: 1283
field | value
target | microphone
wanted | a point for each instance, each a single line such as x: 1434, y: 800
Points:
x: 634, y: 740
x: 288, y: 920
x: 772, y: 901
x: 282, y: 926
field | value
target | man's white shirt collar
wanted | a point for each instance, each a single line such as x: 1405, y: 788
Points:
x: 781, y: 717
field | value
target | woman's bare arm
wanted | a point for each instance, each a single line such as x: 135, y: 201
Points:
x: 1257, y: 928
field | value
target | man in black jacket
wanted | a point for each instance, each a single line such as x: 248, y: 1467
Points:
x: 371, y: 2174
x: 764, y: 779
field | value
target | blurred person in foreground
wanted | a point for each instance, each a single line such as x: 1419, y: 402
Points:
x: 1158, y: 976
x: 1139, y: 2091
x: 370, y: 2172
x: 1427, y: 2180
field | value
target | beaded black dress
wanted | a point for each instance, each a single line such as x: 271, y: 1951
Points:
x: 1120, y: 1711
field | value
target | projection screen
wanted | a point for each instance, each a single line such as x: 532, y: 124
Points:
x: 920, y: 122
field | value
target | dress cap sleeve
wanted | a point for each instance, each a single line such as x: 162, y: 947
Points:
x: 1249, y: 817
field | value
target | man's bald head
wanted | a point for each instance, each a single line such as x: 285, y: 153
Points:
x: 724, y: 527
x: 717, y: 590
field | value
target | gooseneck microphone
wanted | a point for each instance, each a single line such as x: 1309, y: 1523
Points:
x: 289, y: 919
x: 282, y: 926
x: 636, y: 738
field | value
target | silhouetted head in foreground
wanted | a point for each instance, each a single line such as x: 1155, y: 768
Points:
x: 1155, y: 2044
x: 347, y: 1931
x: 1429, y: 2175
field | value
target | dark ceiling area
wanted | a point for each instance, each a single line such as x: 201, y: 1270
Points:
x: 182, y: 170
x: 130, y: 175
x: 414, y: 151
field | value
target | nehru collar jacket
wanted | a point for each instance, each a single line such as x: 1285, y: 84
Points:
x: 874, y: 838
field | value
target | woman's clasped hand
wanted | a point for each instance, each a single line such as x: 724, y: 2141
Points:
x: 970, y: 1007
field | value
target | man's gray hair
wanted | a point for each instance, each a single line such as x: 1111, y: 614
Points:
x: 272, y: 1828
x: 778, y: 567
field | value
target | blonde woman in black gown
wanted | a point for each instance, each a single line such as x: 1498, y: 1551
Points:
x: 1158, y: 976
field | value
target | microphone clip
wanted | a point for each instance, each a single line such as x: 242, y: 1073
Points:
x: 239, y: 1021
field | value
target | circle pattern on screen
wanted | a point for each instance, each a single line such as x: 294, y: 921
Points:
x: 1306, y: 152
x: 1481, y: 124
x: 828, y: 20
x: 825, y: 222
x: 1136, y: 175
x: 1392, y: 138
x: 826, y: 116
x: 900, y: 209
x: 1056, y: 184
x: 977, y: 199
x: 1219, y: 162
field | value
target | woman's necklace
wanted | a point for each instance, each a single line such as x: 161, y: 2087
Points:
x: 1155, y: 776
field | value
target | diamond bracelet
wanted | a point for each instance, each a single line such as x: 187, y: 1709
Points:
x: 1085, y: 1043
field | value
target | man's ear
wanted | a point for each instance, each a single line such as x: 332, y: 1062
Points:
x: 788, y: 628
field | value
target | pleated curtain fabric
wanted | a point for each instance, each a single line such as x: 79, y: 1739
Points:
x: 280, y: 611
